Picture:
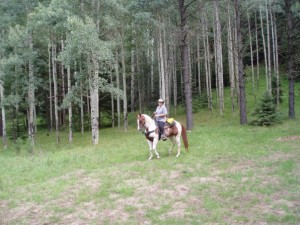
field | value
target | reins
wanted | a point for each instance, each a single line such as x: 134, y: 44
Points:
x: 147, y: 133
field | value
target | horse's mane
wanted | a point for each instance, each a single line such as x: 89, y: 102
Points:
x: 147, y: 117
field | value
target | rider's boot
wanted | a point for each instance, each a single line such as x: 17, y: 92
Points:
x: 163, y: 137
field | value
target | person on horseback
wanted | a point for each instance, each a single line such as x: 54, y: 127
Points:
x: 160, y: 117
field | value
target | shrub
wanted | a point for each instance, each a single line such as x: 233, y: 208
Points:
x: 266, y: 113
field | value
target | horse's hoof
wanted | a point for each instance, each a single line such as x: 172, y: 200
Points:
x: 158, y: 157
x: 150, y: 158
x: 177, y: 156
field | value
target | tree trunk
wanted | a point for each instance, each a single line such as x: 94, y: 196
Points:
x: 198, y: 64
x: 257, y: 52
x: 291, y: 57
x: 265, y: 50
x: 269, y: 49
x: 132, y: 81
x: 31, y: 98
x: 219, y: 59
x: 162, y: 65
x: 251, y: 56
x: 124, y: 86
x: 70, y: 105
x: 152, y: 67
x: 207, y: 62
x: 166, y: 73
x: 242, y: 102
x: 185, y: 64
x: 231, y: 59
x: 3, y: 131
x: 118, y: 87
x: 50, y: 88
x: 112, y: 100
x: 276, y: 63
x: 94, y: 92
x: 63, y: 111
x: 54, y: 73
x: 81, y: 107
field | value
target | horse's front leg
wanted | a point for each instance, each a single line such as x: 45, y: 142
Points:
x: 150, y: 143
x: 155, y: 141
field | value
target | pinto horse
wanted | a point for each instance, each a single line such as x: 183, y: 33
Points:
x: 149, y: 127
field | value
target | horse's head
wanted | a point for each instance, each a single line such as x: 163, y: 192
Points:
x: 141, y: 120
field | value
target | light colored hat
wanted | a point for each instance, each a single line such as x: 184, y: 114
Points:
x: 160, y: 100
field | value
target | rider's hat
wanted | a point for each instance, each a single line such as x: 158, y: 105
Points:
x: 161, y: 100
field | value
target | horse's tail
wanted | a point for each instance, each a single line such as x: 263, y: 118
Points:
x: 184, y: 138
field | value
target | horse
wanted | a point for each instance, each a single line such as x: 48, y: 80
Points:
x: 150, y: 129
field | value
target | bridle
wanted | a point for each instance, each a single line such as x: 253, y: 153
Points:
x: 142, y: 125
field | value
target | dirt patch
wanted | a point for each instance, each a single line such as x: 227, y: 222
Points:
x: 290, y: 138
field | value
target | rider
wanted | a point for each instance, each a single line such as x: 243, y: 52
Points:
x: 160, y: 117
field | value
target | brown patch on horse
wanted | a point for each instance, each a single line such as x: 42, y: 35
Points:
x: 171, y: 131
x: 151, y: 138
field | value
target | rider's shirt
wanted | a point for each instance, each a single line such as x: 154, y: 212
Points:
x: 161, y: 110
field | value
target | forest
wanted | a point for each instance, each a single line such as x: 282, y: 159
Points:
x: 82, y: 65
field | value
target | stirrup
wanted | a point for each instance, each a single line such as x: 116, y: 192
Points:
x: 164, y: 138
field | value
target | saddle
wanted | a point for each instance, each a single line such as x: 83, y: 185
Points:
x: 170, y: 122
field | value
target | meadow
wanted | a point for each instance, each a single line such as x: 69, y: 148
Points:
x: 232, y: 174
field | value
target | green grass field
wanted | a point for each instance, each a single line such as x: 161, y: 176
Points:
x: 232, y: 174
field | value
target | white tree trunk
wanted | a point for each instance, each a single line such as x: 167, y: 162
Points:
x: 50, y: 88
x: 118, y: 87
x: 94, y: 95
x: 269, y: 49
x: 31, y: 99
x: 112, y: 100
x: 54, y: 73
x: 4, y: 138
x: 251, y: 56
x: 276, y: 64
x: 124, y: 86
x: 162, y: 66
x: 63, y: 88
x: 198, y: 64
x: 264, y: 46
x: 257, y: 51
x: 219, y: 59
x: 132, y: 79
x: 207, y: 62
x: 81, y: 108
x: 231, y: 59
x: 152, y: 66
x: 70, y: 105
x: 166, y: 67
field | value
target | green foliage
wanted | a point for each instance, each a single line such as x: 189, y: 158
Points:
x: 266, y: 113
x: 200, y: 103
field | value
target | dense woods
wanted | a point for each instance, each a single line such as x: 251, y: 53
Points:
x: 81, y: 65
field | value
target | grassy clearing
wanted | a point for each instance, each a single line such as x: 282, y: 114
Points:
x: 232, y: 174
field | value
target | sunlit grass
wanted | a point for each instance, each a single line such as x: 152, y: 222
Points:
x: 230, y: 174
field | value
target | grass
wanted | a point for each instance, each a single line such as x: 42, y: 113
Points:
x: 232, y: 174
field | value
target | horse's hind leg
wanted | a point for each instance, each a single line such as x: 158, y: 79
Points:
x: 179, y: 145
x: 173, y: 143
x: 170, y: 150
